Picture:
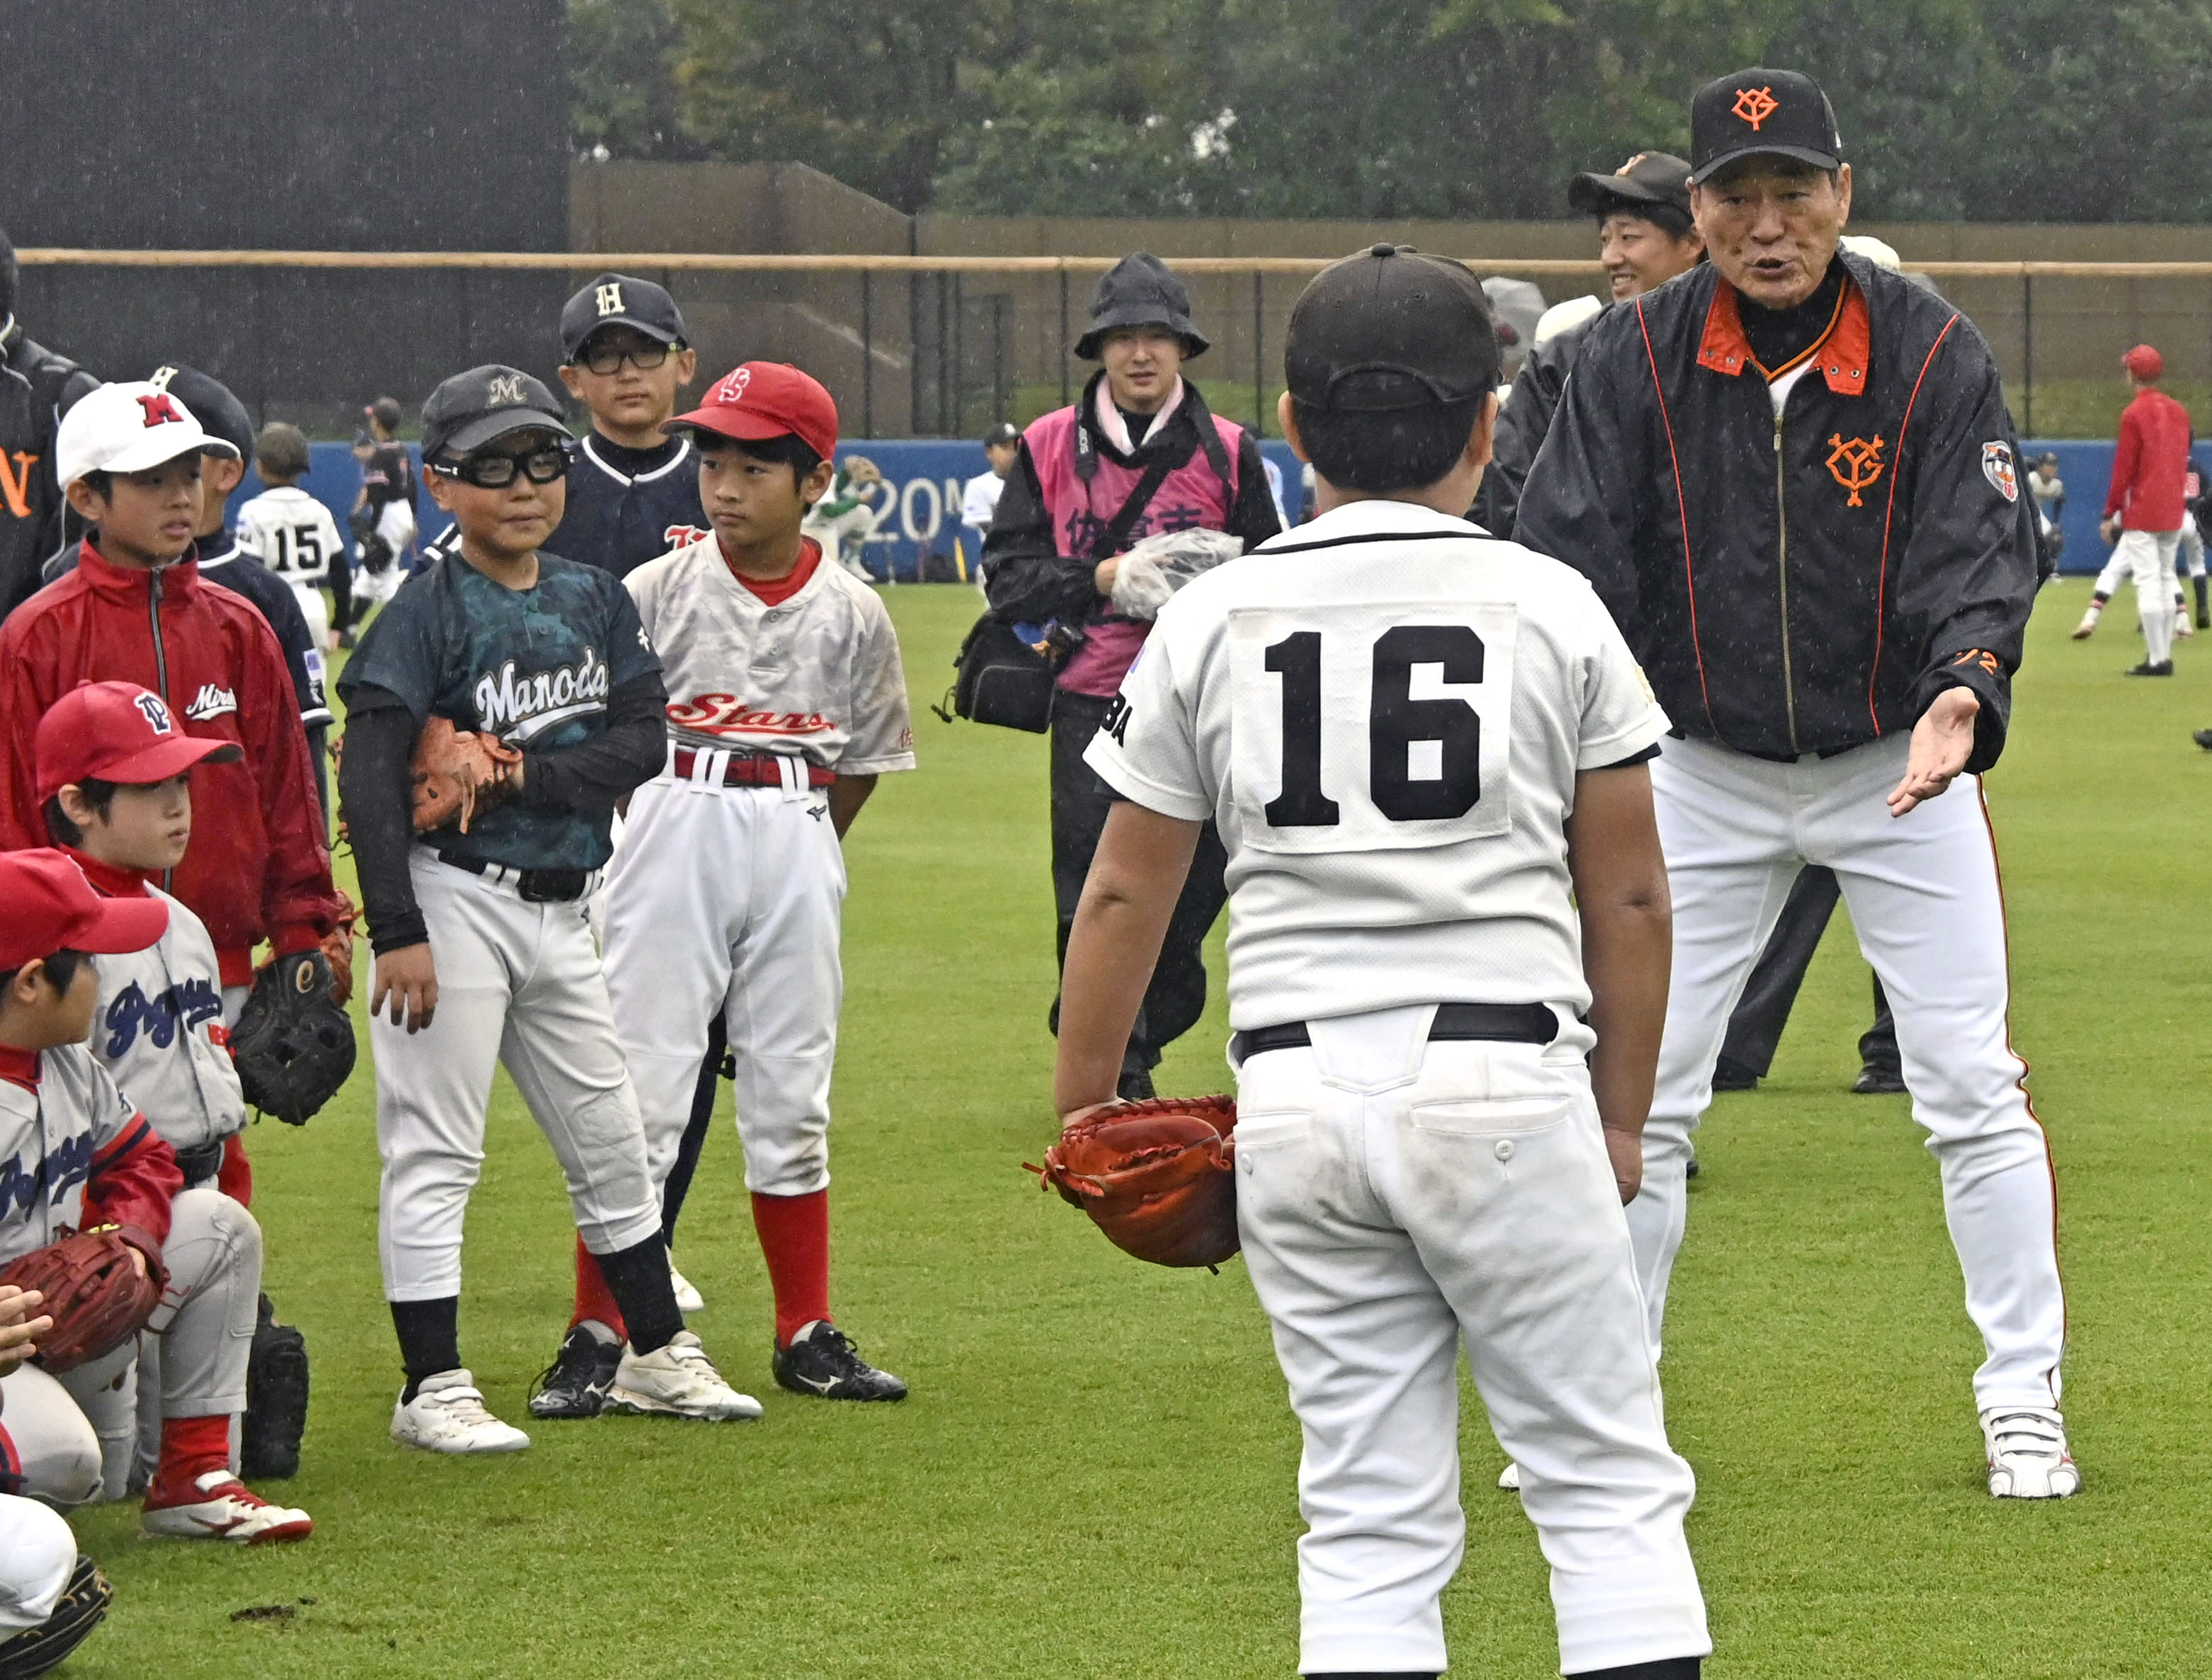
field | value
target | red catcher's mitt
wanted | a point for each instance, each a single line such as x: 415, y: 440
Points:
x: 1158, y: 1177
x: 92, y: 1294
x: 457, y: 773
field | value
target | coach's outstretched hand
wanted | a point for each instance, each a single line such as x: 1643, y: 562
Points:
x: 1942, y: 742
x: 409, y: 979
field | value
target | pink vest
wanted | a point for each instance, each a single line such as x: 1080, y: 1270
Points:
x: 1192, y: 496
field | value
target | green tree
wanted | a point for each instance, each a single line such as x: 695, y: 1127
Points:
x: 622, y: 73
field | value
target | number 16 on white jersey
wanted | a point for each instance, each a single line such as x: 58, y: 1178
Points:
x: 1378, y: 726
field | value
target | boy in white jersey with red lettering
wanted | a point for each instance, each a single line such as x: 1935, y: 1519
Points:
x: 786, y: 701
x: 1425, y: 748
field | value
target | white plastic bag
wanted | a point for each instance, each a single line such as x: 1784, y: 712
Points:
x: 1158, y: 566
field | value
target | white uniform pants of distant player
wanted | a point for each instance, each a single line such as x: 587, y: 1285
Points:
x: 1924, y: 898
x: 2147, y: 557
x: 518, y: 984
x: 729, y: 899
x: 395, y: 525
x: 76, y: 1435
x: 1396, y: 1197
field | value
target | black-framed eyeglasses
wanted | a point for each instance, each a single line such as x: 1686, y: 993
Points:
x: 540, y: 466
x: 607, y: 358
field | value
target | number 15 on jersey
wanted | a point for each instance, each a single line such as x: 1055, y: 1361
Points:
x: 1378, y: 726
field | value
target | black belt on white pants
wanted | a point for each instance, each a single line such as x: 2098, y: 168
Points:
x: 1505, y: 1023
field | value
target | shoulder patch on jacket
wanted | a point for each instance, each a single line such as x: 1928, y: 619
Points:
x: 1997, y: 468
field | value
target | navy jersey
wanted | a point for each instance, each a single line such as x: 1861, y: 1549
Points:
x: 534, y: 666
x: 627, y: 506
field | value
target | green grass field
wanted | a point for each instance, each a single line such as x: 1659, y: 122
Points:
x: 1094, y: 1477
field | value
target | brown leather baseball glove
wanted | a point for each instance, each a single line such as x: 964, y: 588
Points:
x: 457, y: 774
x: 338, y: 951
x: 92, y: 1294
x: 1158, y: 1177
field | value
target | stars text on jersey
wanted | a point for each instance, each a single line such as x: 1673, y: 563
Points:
x: 726, y: 715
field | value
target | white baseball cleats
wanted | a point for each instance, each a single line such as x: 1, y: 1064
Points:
x: 678, y: 1380
x: 218, y: 1505
x: 448, y: 1415
x: 688, y: 1298
x: 2028, y: 1457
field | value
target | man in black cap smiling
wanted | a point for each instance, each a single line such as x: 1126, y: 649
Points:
x: 1427, y: 751
x: 1790, y: 477
x: 1645, y: 238
x: 1139, y: 453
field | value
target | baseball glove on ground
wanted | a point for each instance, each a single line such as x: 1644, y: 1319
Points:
x: 275, y: 1413
x: 457, y: 774
x: 41, y: 1650
x: 92, y: 1294
x: 293, y: 1045
x: 1158, y: 1177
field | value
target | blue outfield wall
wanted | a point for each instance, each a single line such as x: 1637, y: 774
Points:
x: 918, y: 505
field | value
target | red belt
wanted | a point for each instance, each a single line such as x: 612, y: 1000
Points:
x: 751, y: 770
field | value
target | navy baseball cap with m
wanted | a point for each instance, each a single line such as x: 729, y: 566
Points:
x: 470, y: 409
x: 1762, y: 113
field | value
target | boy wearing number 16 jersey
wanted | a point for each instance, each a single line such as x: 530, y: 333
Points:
x: 1425, y: 750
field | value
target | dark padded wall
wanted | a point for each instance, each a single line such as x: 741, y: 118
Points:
x: 331, y: 124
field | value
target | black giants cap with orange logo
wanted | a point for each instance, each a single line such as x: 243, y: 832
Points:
x: 1773, y: 113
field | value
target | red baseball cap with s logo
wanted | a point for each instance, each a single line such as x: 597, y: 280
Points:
x: 757, y: 400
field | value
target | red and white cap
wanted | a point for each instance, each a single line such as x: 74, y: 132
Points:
x: 50, y: 907
x: 118, y: 732
x: 758, y: 400
x: 128, y: 428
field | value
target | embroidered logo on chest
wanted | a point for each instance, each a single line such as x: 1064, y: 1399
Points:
x: 1854, y: 463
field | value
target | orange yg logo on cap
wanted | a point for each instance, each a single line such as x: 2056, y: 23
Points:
x: 1756, y: 104
x: 1855, y: 463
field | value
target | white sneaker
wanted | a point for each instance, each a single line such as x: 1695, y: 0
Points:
x: 2028, y: 1457
x: 226, y: 1509
x: 1509, y: 1477
x: 448, y: 1415
x: 2088, y: 623
x: 678, y: 1380
x: 2183, y: 625
x: 688, y: 1298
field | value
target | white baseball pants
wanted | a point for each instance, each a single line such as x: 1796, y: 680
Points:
x: 1397, y: 1198
x: 518, y: 984
x: 76, y: 1434
x: 2147, y: 557
x: 729, y: 899
x: 1925, y: 901
x: 38, y: 1555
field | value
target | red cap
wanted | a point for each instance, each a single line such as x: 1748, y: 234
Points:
x: 759, y: 400
x: 51, y: 907
x: 118, y: 732
x: 2144, y: 362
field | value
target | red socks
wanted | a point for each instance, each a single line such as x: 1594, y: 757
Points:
x: 594, y: 1298
x: 795, y: 1239
x: 235, y: 1177
x: 191, y: 1448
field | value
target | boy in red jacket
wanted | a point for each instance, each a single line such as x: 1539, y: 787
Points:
x: 137, y: 610
x: 2145, y: 497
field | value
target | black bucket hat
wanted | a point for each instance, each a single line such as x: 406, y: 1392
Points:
x: 1141, y: 290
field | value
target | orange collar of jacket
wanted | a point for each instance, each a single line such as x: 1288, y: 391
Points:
x: 1841, y: 355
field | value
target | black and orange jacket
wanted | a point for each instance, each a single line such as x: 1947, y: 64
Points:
x: 1807, y: 583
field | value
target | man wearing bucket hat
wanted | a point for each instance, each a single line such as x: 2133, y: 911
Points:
x: 1645, y: 238
x: 1139, y: 453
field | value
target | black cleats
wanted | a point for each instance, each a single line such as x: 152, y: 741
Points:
x: 576, y: 1385
x: 2163, y: 668
x: 822, y: 1362
x: 1877, y: 1081
x: 1732, y: 1076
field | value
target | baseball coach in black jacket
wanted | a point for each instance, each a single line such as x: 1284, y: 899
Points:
x: 1789, y: 475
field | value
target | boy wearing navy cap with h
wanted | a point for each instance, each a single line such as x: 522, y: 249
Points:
x: 483, y: 950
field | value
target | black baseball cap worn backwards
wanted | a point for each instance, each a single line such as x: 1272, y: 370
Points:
x: 1770, y: 113
x: 1646, y: 180
x: 620, y: 299
x: 1391, y: 328
x: 470, y: 409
